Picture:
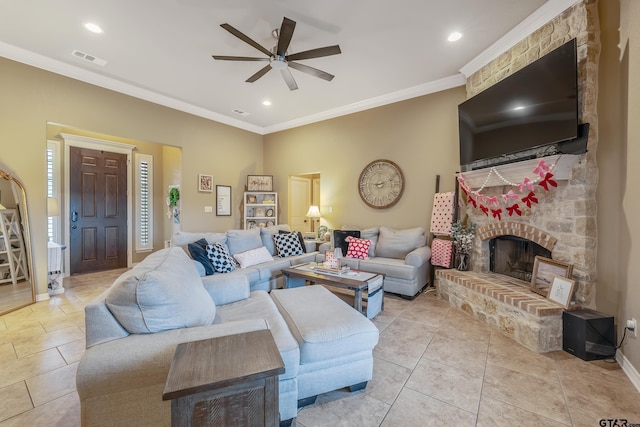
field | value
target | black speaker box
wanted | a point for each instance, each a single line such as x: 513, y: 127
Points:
x: 588, y: 334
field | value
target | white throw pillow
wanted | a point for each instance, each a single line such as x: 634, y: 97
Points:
x: 253, y: 257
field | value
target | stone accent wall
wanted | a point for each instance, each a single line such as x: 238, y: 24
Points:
x: 566, y: 213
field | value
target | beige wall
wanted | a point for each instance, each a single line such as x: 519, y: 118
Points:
x: 420, y: 135
x: 32, y: 97
x: 618, y: 196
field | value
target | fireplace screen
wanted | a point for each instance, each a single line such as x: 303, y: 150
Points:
x: 514, y: 256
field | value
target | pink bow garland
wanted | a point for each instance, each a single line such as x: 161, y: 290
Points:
x: 541, y: 169
x: 492, y: 201
x: 548, y: 181
x: 484, y: 210
x: 530, y: 198
x: 472, y: 201
x: 525, y: 184
x: 497, y: 213
x: 509, y: 195
x: 515, y: 208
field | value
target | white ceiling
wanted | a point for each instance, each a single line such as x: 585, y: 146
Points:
x: 160, y: 50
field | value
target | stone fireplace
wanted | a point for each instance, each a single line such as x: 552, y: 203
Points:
x: 514, y: 256
x: 562, y: 224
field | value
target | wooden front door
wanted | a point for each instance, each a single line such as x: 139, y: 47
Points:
x: 97, y: 210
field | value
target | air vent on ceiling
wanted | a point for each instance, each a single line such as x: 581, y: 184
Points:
x: 238, y: 111
x: 90, y: 58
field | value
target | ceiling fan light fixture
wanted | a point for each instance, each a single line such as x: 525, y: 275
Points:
x: 278, y: 64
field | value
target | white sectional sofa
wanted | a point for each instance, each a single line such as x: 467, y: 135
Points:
x: 133, y: 328
x: 401, y: 255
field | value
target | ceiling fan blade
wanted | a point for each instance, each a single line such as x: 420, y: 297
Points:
x: 288, y: 78
x: 284, y: 35
x: 315, y: 53
x: 260, y: 73
x: 313, y: 71
x: 246, y: 39
x: 237, y: 58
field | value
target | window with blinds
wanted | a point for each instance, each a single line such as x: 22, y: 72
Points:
x: 53, y: 222
x: 144, y: 202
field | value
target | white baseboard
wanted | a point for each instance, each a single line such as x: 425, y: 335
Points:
x: 628, y: 369
x: 42, y: 297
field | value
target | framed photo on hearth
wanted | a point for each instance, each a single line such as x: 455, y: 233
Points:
x: 544, y: 271
x: 561, y: 291
x: 259, y: 182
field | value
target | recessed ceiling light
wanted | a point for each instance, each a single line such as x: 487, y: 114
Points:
x: 94, y: 28
x: 454, y: 36
x: 266, y: 103
x: 519, y: 107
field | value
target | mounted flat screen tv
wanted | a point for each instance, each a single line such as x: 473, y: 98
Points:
x: 535, y: 107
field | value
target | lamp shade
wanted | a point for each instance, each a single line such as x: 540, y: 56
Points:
x: 52, y: 207
x: 313, y: 212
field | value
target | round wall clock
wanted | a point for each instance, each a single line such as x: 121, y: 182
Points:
x: 381, y: 184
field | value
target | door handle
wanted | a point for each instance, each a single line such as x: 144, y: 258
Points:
x: 74, y: 216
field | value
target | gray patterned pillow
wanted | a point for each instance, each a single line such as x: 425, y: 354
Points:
x: 288, y: 244
x: 219, y: 255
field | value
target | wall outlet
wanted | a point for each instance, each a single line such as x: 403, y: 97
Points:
x: 208, y: 209
x: 632, y: 325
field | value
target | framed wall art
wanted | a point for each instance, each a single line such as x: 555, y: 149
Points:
x: 561, y: 291
x: 544, y: 270
x: 223, y: 200
x: 259, y: 182
x: 205, y: 183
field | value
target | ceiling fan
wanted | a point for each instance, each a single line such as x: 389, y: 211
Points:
x: 278, y: 58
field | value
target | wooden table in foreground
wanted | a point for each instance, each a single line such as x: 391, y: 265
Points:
x: 357, y: 281
x: 225, y: 381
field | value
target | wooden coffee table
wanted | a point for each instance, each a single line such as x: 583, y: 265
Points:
x: 355, y: 280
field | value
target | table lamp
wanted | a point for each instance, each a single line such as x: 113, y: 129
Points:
x: 313, y: 213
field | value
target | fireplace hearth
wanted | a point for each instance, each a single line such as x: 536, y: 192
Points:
x: 514, y: 256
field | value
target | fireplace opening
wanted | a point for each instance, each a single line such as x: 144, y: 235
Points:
x: 514, y: 256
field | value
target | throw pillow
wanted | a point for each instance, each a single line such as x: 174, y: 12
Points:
x: 163, y: 292
x: 266, y: 234
x: 220, y: 258
x: 287, y: 244
x: 198, y: 251
x: 340, y: 236
x: 358, y: 248
x: 300, y: 238
x: 253, y: 257
x: 398, y: 243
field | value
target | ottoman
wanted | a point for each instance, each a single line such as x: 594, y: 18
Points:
x: 336, y: 342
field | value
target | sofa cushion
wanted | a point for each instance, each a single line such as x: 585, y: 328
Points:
x: 288, y: 245
x: 398, y: 243
x: 220, y: 258
x: 366, y: 233
x: 253, y: 257
x: 358, y: 248
x: 162, y: 292
x: 243, y: 240
x: 266, y: 234
x: 183, y: 238
x: 198, y: 251
x: 227, y: 288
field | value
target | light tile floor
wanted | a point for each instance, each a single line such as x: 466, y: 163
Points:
x: 433, y: 366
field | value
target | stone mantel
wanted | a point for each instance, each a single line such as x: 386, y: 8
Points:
x: 516, y: 172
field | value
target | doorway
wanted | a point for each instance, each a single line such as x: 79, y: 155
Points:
x: 99, y: 242
x: 304, y: 191
x: 98, y: 210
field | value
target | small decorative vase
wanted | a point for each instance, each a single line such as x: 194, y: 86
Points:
x: 463, y: 265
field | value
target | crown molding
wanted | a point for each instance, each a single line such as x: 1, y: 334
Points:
x: 58, y: 67
x: 537, y: 19
x: 390, y: 98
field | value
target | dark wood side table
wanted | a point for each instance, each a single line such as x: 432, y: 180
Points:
x: 225, y: 381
